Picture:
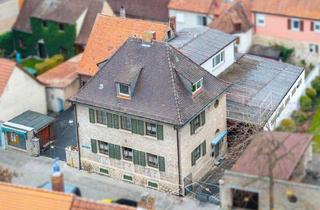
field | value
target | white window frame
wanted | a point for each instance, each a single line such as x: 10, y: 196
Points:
x: 126, y: 180
x: 180, y: 17
x: 102, y: 173
x: 315, y: 24
x: 197, y: 87
x: 221, y: 61
x: 312, y: 48
x: 156, y: 188
x: 260, y: 17
x: 293, y: 20
x: 124, y: 94
x: 200, y: 20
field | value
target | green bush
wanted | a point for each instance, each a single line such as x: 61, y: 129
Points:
x: 6, y: 44
x: 311, y: 93
x: 316, y: 84
x: 299, y: 117
x: 305, y: 103
x: 287, y: 125
x: 49, y: 63
x: 285, y: 53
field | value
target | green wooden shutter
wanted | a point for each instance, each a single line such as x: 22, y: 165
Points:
x: 135, y: 157
x: 109, y: 120
x: 193, y: 161
x: 192, y: 130
x: 140, y: 127
x: 115, y: 121
x: 134, y: 126
x: 94, y: 148
x: 117, y: 152
x: 203, y: 117
x: 111, y: 151
x: 162, y: 166
x: 159, y: 132
x: 91, y: 116
x: 142, y: 158
x: 204, y: 149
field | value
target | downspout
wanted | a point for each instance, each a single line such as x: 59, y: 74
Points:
x: 77, y: 133
x: 179, y: 163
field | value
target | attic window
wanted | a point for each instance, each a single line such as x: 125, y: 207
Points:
x: 45, y: 24
x: 196, y: 86
x: 61, y: 27
x: 124, y: 90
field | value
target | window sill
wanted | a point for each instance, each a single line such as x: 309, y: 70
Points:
x: 198, y: 130
x: 103, y: 155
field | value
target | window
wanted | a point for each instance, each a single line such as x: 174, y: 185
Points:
x: 196, y: 86
x: 202, y: 20
x: 125, y: 123
x: 260, y: 20
x: 104, y: 171
x: 195, y: 155
x: 61, y: 27
x: 13, y: 139
x: 197, y: 122
x: 101, y: 117
x: 295, y: 24
x: 103, y: 148
x: 313, y: 48
x: 127, y: 178
x: 124, y: 89
x: 151, y: 129
x: 127, y: 153
x: 218, y: 59
x: 152, y: 160
x: 316, y: 26
x: 216, y: 103
x: 153, y: 185
x: 180, y: 17
x: 44, y: 24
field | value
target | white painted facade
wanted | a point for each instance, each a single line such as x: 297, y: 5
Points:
x: 245, y: 41
x: 229, y: 59
x: 188, y: 19
x: 79, y: 21
x: 22, y: 93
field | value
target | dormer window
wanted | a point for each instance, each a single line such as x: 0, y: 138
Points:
x: 196, y: 86
x: 124, y: 90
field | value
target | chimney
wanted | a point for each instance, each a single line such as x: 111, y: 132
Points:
x: 173, y: 24
x: 149, y: 36
x: 57, y: 180
x: 122, y: 12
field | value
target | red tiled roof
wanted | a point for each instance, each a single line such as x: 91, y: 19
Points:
x: 6, y: 69
x: 289, y: 148
x: 82, y: 204
x: 293, y: 8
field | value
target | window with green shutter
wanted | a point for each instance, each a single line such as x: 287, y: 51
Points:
x: 127, y: 178
x: 94, y: 146
x: 193, y: 160
x: 92, y: 117
x: 109, y: 120
x: 140, y: 127
x: 159, y: 132
x: 139, y: 158
x: 114, y: 151
x: 153, y: 185
x: 204, y: 148
x: 162, y: 166
x: 115, y: 121
x: 197, y: 122
x: 134, y: 126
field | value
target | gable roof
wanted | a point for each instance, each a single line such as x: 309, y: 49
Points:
x: 228, y: 20
x: 6, y: 69
x: 159, y: 93
x: 107, y: 36
x: 255, y: 159
x: 201, y: 43
x: 63, y: 74
x: 293, y: 8
x: 144, y: 9
x: 60, y: 11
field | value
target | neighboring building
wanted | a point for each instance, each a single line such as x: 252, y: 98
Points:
x: 156, y: 10
x: 47, y: 27
x: 270, y: 52
x: 152, y: 117
x: 213, y: 50
x: 29, y: 131
x: 286, y: 160
x: 61, y: 82
x: 292, y: 23
x: 236, y: 21
x: 194, y: 13
x: 9, y: 10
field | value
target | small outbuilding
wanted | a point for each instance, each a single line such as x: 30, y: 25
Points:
x: 29, y: 131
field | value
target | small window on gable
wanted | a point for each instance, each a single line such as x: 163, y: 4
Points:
x: 196, y: 86
x: 124, y: 90
x: 45, y: 24
x: 61, y: 27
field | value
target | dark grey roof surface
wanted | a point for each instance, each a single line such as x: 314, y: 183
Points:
x: 258, y: 87
x: 159, y: 92
x: 33, y: 119
x: 129, y: 74
x: 265, y: 51
x: 201, y: 43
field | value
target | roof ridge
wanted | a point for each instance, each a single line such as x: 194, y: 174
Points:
x: 195, y: 37
x: 175, y: 93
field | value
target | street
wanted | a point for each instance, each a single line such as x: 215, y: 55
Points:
x: 34, y: 171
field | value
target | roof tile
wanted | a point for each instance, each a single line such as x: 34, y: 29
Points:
x: 6, y: 69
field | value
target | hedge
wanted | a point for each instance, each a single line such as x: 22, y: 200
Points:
x: 6, y: 44
x: 299, y: 117
x: 311, y: 93
x: 287, y: 125
x: 305, y: 103
x: 49, y: 63
x: 316, y: 84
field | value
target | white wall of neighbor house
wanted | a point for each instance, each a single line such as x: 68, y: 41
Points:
x: 245, y: 41
x: 188, y: 19
x: 80, y: 20
x: 229, y: 59
x: 22, y: 93
x: 9, y: 10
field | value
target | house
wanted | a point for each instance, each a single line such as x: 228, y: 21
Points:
x: 9, y: 10
x: 34, y: 198
x: 297, y: 26
x: 61, y: 83
x: 106, y: 37
x: 29, y: 131
x: 282, y: 157
x: 194, y: 13
x: 48, y: 27
x: 236, y: 21
x: 152, y: 117
x: 156, y: 10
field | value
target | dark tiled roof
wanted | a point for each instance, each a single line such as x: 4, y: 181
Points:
x: 159, y: 93
x: 256, y: 158
x: 201, y: 43
x: 33, y: 120
x: 145, y: 9
x: 258, y: 87
x: 60, y: 11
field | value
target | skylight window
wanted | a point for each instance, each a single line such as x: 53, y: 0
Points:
x: 124, y: 90
x: 196, y: 86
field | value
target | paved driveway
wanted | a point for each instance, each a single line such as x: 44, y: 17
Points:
x: 34, y: 171
x: 65, y: 134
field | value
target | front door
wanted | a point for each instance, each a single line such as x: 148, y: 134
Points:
x: 42, y: 50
